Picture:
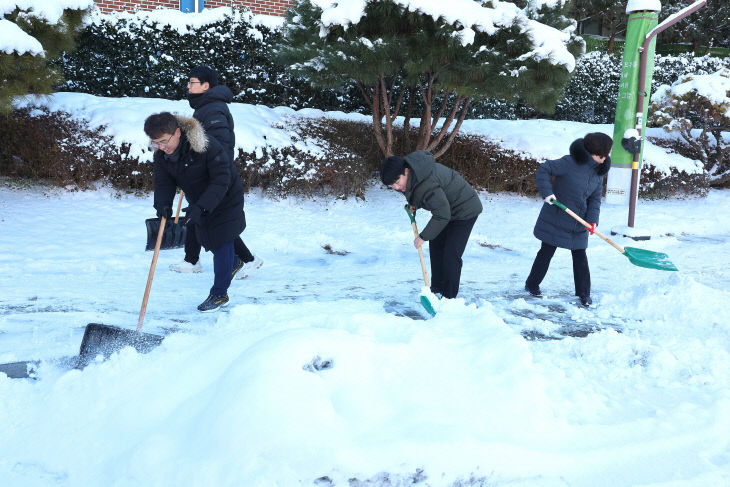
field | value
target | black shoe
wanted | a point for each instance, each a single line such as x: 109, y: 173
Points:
x: 535, y: 291
x: 237, y: 267
x: 585, y: 301
x: 213, y: 303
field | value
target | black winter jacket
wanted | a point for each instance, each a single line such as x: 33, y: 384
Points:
x: 208, y: 178
x: 577, y: 183
x: 211, y: 110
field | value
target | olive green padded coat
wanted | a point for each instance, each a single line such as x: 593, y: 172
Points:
x: 440, y: 190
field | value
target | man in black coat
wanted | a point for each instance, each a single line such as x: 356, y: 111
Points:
x: 210, y: 102
x: 577, y: 182
x: 187, y: 158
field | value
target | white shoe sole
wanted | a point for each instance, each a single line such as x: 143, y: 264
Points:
x: 246, y: 270
x: 197, y: 269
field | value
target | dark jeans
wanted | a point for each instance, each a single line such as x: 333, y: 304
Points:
x: 445, y: 252
x: 192, y: 247
x: 223, y: 261
x: 581, y: 272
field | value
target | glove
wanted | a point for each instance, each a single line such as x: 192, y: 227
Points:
x: 165, y: 212
x: 549, y: 200
x: 193, y: 214
x: 591, y: 228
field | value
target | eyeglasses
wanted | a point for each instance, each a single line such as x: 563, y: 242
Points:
x: 193, y: 82
x: 160, y: 143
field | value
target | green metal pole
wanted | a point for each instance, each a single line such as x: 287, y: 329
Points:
x: 623, y: 164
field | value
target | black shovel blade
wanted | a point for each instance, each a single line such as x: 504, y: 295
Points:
x: 173, y: 237
x: 19, y: 370
x: 105, y: 340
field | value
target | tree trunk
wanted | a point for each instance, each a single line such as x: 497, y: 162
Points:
x: 406, y: 145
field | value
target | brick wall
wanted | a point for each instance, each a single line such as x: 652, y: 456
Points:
x: 268, y: 7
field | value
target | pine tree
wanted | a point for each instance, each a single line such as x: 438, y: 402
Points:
x: 399, y: 57
x: 707, y: 27
x: 27, y: 73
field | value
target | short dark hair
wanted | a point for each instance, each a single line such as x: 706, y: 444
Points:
x: 160, y: 124
x: 205, y: 75
x: 598, y: 144
x: 393, y: 167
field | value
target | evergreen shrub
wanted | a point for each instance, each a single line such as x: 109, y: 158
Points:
x: 126, y: 55
x: 590, y: 95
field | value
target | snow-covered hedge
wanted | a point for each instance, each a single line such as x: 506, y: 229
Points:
x: 590, y: 95
x: 150, y: 54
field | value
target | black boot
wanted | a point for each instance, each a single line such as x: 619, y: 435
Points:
x: 535, y: 291
x: 585, y: 301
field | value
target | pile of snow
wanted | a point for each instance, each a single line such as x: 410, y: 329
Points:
x: 309, y: 380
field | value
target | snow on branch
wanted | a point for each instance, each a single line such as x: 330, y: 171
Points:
x: 14, y: 39
x: 548, y: 43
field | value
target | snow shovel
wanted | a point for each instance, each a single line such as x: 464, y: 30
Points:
x: 105, y: 340
x: 174, y: 236
x: 424, y: 299
x: 101, y: 339
x: 638, y: 257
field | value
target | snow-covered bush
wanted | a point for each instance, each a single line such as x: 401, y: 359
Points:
x: 590, y: 95
x: 150, y: 54
x: 55, y: 147
x: 697, y: 107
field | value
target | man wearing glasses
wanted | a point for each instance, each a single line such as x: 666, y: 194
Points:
x: 210, y: 102
x: 186, y: 157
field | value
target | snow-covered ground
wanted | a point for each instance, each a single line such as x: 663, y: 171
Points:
x: 497, y: 389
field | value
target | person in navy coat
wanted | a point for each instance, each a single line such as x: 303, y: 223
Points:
x: 577, y: 182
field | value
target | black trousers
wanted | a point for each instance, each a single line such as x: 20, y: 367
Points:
x: 581, y: 272
x: 192, y: 247
x: 445, y: 252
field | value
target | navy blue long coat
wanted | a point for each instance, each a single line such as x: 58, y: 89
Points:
x: 577, y: 183
x: 209, y: 179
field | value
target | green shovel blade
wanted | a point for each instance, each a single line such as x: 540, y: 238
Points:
x: 427, y: 305
x: 649, y: 259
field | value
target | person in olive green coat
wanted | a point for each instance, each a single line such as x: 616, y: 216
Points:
x: 454, y: 207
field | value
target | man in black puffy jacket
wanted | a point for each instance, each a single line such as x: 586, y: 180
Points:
x: 210, y: 102
x: 187, y: 158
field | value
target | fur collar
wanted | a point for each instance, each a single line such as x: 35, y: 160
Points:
x: 194, y: 132
x: 581, y: 156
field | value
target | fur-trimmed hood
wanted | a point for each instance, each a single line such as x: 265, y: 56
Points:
x: 581, y: 156
x: 194, y: 133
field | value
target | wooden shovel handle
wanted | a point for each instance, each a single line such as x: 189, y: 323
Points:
x: 585, y: 224
x: 179, y: 204
x: 160, y: 232
x: 420, y: 251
